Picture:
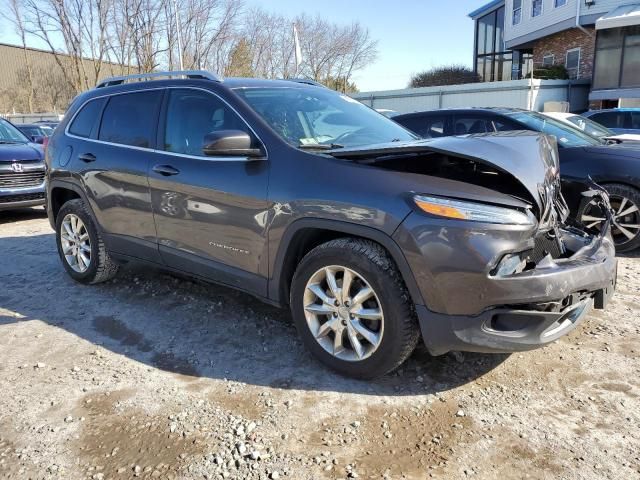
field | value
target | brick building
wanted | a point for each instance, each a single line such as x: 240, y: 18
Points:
x: 597, y: 40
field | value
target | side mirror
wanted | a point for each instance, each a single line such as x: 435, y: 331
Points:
x: 230, y: 143
x: 37, y: 139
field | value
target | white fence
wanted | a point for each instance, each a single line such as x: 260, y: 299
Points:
x: 31, y: 117
x: 528, y: 94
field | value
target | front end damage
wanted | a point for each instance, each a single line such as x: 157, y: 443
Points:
x: 499, y: 287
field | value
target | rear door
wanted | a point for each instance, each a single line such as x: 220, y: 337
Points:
x: 210, y: 212
x: 112, y: 161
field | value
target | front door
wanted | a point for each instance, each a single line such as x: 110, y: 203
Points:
x: 210, y: 212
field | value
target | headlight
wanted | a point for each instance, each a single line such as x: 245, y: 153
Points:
x: 478, y: 212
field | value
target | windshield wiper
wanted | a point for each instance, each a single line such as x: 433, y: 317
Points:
x: 320, y: 146
x: 8, y: 141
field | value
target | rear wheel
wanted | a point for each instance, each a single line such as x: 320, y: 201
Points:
x: 352, y: 308
x: 625, y: 228
x: 80, y: 245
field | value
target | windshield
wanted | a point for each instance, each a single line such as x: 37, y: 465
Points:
x: 590, y: 127
x: 10, y: 134
x: 314, y: 117
x: 567, y: 135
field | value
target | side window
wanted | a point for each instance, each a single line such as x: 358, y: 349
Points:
x: 464, y: 125
x: 635, y: 120
x: 609, y: 119
x: 86, y: 118
x: 192, y: 114
x: 130, y: 118
x: 426, y: 127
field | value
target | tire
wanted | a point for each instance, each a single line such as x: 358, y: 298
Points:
x: 101, y: 267
x: 368, y: 265
x: 623, y: 198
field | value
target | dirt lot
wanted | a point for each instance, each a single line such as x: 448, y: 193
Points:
x: 152, y: 376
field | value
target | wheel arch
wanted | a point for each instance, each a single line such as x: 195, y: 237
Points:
x: 305, y: 234
x: 59, y: 193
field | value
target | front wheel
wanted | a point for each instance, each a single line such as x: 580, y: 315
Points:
x: 625, y: 228
x: 352, y: 309
x: 80, y: 245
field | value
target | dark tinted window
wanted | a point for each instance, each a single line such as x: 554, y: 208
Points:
x: 86, y: 118
x: 426, y: 127
x: 130, y: 118
x: 610, y: 119
x: 192, y: 114
x: 481, y: 124
x: 635, y: 120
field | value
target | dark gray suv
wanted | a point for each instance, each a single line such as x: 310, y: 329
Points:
x: 306, y: 198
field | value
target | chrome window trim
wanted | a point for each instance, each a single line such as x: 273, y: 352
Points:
x: 155, y: 150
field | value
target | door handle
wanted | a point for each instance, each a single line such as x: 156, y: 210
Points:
x: 87, y: 157
x: 166, y: 170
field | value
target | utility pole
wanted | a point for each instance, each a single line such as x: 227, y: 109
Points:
x: 179, y: 32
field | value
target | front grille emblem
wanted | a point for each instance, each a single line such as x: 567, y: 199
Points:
x: 17, y: 167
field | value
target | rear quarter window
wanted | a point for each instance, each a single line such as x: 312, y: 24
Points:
x: 130, y: 118
x: 86, y: 119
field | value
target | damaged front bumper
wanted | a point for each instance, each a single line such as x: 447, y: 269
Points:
x: 488, y: 303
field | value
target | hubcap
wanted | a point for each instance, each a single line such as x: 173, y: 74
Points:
x: 343, y: 313
x: 626, y: 219
x: 75, y: 242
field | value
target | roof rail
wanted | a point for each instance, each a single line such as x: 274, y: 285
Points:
x: 307, y: 81
x: 143, y: 77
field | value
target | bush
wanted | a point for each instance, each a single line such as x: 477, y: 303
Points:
x: 444, y: 75
x: 554, y: 72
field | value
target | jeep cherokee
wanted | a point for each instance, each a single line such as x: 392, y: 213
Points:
x: 306, y: 198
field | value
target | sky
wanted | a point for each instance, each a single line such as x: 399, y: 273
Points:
x: 413, y: 35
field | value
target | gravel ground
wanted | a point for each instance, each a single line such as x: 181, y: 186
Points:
x: 152, y: 376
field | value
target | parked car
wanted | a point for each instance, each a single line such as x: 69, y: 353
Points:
x: 594, y: 129
x: 582, y: 158
x: 620, y: 120
x: 49, y: 123
x: 36, y: 133
x: 306, y: 198
x: 386, y: 112
x: 21, y: 169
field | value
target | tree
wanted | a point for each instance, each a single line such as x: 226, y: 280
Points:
x: 444, y: 75
x: 240, y: 61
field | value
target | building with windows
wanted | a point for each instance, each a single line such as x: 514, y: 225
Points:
x: 596, y: 40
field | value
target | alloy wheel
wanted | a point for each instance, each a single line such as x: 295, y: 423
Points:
x: 76, y: 244
x: 626, y: 218
x: 343, y: 313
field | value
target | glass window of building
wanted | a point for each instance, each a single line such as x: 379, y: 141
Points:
x: 572, y: 63
x: 617, y: 58
x: 536, y: 8
x: 517, y: 12
x: 493, y: 61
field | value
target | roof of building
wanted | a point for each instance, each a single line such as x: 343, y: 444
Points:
x: 622, y: 16
x: 486, y: 8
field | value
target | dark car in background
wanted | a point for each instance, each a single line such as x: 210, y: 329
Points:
x: 35, y: 132
x: 620, y: 120
x: 306, y: 198
x: 22, y: 169
x: 582, y: 157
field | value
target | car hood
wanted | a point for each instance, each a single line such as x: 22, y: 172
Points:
x: 530, y: 157
x: 627, y: 137
x: 12, y: 152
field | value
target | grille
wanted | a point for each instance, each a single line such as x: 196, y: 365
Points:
x: 19, y: 180
x: 22, y: 198
x: 545, y: 244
